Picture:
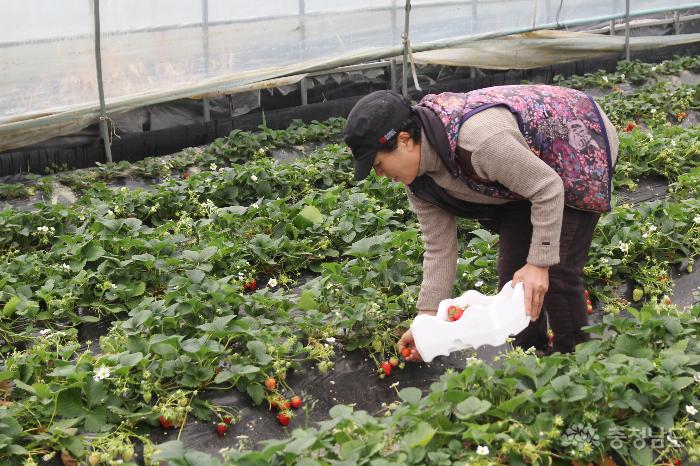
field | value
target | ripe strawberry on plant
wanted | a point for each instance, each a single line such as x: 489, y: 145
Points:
x: 227, y: 419
x: 221, y: 429
x: 454, y: 313
x: 630, y: 127
x: 270, y: 383
x: 284, y: 417
x: 296, y: 402
x: 386, y: 367
x: 252, y: 285
x: 589, y: 308
x: 185, y: 175
x: 165, y: 422
x: 406, y: 352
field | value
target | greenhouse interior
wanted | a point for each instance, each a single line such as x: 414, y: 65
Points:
x: 234, y: 233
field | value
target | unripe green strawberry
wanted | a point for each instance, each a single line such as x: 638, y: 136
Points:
x: 689, y: 268
x: 377, y: 345
x: 94, y: 459
x: 128, y: 453
x: 637, y: 294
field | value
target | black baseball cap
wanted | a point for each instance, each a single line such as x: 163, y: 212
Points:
x: 373, y: 123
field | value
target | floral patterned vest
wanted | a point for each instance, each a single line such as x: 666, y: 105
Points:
x: 563, y: 127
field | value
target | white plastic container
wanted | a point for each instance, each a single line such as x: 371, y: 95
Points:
x: 488, y: 320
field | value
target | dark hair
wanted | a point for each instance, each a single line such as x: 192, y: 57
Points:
x: 412, y: 126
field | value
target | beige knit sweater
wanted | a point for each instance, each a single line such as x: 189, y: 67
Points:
x: 499, y: 153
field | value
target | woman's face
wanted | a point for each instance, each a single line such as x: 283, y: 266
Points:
x: 401, y: 164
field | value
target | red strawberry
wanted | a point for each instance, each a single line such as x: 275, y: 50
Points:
x: 550, y: 335
x: 454, y: 313
x: 587, y: 294
x: 393, y: 361
x: 630, y: 127
x: 270, y: 383
x: 386, y: 367
x: 284, y: 417
x: 185, y: 175
x: 251, y: 285
x: 677, y: 462
x: 221, y: 429
x: 296, y: 402
x: 680, y: 116
x: 405, y: 352
x: 589, y: 308
x: 165, y: 422
x: 227, y: 419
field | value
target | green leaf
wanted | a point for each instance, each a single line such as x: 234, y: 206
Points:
x: 130, y: 359
x: 297, y: 446
x: 420, y: 436
x: 259, y: 351
x: 63, y: 371
x: 256, y: 392
x: 308, y: 216
x: 195, y: 276
x: 471, y: 407
x: 69, y: 403
x: 245, y: 369
x: 340, y: 411
x: 92, y: 251
x: 11, y: 306
x: 642, y: 455
x: 218, y: 325
x: 411, y: 395
x: 307, y: 301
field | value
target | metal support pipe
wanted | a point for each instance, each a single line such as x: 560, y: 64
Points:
x: 205, y: 50
x: 104, y: 120
x: 404, y: 75
x: 392, y: 74
x: 627, y: 30
x: 205, y: 107
x: 304, y: 91
x: 676, y: 23
x: 612, y: 27
x: 302, y: 26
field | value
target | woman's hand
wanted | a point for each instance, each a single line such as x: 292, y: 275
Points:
x: 406, y: 341
x: 536, y: 283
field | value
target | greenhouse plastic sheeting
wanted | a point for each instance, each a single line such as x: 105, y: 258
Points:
x: 540, y: 48
x: 160, y: 50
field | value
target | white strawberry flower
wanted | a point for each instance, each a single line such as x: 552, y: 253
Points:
x: 399, y: 211
x: 653, y: 110
x: 330, y: 340
x: 690, y: 409
x: 479, y: 284
x: 482, y: 450
x: 605, y: 78
x: 272, y: 283
x: 696, y: 219
x: 253, y: 177
x: 212, y: 166
x: 101, y: 373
